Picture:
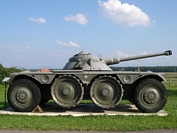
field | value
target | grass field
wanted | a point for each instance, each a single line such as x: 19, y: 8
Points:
x: 97, y: 123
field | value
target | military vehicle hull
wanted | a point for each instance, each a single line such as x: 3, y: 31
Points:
x: 105, y: 88
x: 89, y: 77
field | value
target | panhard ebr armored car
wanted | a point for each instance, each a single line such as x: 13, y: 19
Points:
x: 89, y: 77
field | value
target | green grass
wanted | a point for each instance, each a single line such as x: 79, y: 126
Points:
x: 101, y: 123
x: 96, y: 123
x: 2, y: 97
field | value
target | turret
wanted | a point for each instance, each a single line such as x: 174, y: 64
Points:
x: 85, y: 61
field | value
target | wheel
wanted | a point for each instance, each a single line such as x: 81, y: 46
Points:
x: 67, y: 91
x: 23, y: 95
x: 150, y: 96
x: 106, y: 92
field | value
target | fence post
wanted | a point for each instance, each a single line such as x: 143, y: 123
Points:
x: 5, y: 80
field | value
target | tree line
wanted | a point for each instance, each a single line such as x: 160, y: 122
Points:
x: 5, y: 72
x: 147, y: 68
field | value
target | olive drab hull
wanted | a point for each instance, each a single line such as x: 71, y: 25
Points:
x: 89, y: 77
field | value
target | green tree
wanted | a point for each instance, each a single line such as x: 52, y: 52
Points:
x: 5, y: 72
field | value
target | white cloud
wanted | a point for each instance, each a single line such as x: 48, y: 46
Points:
x: 72, y: 44
x: 79, y: 18
x: 29, y: 57
x: 28, y: 47
x: 120, y: 54
x: 59, y: 56
x: 38, y: 20
x: 143, y: 53
x: 19, y: 56
x: 124, y: 13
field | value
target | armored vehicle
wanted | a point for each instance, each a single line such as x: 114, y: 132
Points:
x: 89, y: 77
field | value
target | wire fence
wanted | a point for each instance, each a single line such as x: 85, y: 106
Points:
x: 171, y: 82
x: 171, y: 79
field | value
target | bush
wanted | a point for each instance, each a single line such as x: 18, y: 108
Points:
x: 5, y: 72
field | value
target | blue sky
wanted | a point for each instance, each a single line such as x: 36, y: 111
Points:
x: 43, y: 33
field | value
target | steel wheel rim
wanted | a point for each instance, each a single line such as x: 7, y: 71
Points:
x: 67, y: 92
x: 22, y: 96
x: 150, y: 96
x: 106, y: 92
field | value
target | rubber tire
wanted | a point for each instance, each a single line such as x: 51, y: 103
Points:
x: 29, y: 87
x: 159, y: 87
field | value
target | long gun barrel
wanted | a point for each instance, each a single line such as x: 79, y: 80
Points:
x: 118, y: 60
